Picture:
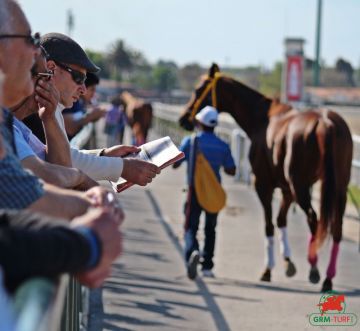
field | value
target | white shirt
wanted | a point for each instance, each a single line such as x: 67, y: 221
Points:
x: 97, y: 167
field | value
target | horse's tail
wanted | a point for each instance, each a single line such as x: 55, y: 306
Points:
x: 328, y: 203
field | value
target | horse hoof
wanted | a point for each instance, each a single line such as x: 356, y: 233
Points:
x: 314, y: 276
x: 290, y: 268
x: 327, y: 285
x: 266, y: 276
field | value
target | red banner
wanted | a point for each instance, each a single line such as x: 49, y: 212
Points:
x: 294, y: 78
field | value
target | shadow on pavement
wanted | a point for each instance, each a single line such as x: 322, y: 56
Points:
x: 212, y: 306
x: 349, y: 291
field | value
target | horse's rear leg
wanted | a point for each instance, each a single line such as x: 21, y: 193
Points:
x: 303, y: 198
x: 336, y: 230
x: 265, y: 195
x: 290, y: 269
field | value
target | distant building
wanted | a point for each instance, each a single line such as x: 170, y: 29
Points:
x: 333, y: 95
x: 329, y: 77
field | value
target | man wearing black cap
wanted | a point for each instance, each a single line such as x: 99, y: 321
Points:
x: 31, y: 245
x: 70, y: 64
x: 83, y: 111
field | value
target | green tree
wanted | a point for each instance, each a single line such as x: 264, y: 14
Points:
x: 270, y: 81
x: 120, y: 60
x: 189, y: 75
x: 165, y: 76
x: 100, y: 59
x: 346, y: 67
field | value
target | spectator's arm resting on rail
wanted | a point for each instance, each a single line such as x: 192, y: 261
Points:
x: 58, y: 175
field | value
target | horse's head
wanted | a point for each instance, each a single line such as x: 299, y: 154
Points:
x: 201, y: 97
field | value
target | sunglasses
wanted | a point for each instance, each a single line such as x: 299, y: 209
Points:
x: 31, y: 40
x: 77, y: 76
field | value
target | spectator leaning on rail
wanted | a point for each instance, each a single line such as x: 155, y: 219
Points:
x: 34, y: 245
x: 31, y: 245
x: 70, y: 64
x: 19, y: 188
x: 31, y: 151
x: 218, y: 154
x: 84, y: 110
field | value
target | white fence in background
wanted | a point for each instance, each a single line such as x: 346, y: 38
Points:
x: 355, y: 170
x: 166, y: 123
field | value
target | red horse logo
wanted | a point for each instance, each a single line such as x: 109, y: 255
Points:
x: 332, y: 303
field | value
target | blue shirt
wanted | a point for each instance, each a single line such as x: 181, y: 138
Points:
x: 19, y: 188
x: 27, y: 144
x: 78, y: 106
x: 216, y: 151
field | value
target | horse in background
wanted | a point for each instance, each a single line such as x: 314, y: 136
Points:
x: 139, y: 115
x: 290, y: 150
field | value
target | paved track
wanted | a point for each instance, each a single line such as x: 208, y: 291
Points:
x: 150, y: 291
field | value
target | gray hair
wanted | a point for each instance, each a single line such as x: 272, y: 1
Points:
x: 9, y: 15
x: 5, y: 22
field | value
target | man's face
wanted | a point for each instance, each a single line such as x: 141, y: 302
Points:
x: 69, y: 90
x: 90, y: 92
x: 17, y: 57
x: 29, y: 105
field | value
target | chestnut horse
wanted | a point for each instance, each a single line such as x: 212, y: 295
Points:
x: 139, y: 115
x: 290, y: 150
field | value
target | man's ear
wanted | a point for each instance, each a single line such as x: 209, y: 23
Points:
x: 51, y: 65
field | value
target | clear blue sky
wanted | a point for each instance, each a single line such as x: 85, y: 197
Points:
x: 233, y: 32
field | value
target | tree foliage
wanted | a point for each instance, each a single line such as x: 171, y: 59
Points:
x: 346, y: 67
x: 270, y: 81
x: 100, y: 59
x: 165, y: 76
x: 188, y: 76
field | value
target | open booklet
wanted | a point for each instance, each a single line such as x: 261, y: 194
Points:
x: 162, y: 152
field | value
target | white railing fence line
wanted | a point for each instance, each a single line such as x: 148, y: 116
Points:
x: 166, y: 118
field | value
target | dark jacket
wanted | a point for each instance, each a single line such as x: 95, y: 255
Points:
x: 33, y: 245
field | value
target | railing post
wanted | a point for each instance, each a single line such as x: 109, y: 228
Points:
x: 236, y: 144
x: 246, y: 164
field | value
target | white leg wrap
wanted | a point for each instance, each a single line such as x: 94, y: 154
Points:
x: 284, y: 243
x: 269, y: 246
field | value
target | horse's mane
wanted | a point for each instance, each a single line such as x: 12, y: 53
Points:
x: 250, y: 93
x: 253, y: 99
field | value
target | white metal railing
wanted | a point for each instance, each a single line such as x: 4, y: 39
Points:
x: 355, y: 170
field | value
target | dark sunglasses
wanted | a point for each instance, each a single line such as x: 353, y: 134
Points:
x: 77, y: 76
x: 32, y: 40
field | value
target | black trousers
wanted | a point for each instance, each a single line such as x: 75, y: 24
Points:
x: 193, y: 212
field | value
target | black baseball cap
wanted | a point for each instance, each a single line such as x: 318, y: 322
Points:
x: 62, y: 48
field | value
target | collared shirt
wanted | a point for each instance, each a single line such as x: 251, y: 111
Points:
x: 216, y: 151
x: 27, y: 144
x: 19, y: 187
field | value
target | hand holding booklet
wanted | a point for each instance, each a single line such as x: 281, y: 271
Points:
x: 161, y: 152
